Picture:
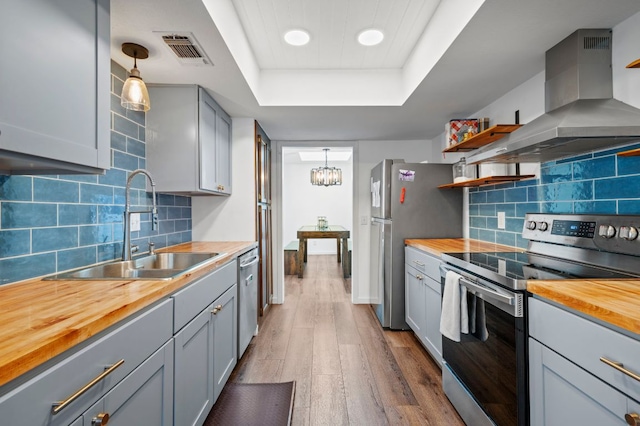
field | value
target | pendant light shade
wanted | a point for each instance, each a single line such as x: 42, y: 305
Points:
x: 326, y: 176
x: 135, y: 95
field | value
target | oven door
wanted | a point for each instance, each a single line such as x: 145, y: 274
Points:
x: 487, y: 369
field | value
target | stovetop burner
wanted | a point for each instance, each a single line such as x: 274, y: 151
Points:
x: 562, y: 247
x: 528, y: 266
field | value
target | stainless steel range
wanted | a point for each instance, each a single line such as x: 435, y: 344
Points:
x: 485, y: 373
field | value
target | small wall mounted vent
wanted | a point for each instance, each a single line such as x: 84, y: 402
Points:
x: 186, y: 48
x: 597, y: 43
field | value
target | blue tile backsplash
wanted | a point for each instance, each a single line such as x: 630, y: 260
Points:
x: 51, y: 224
x: 600, y: 182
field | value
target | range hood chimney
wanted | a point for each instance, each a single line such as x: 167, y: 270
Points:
x: 581, y: 114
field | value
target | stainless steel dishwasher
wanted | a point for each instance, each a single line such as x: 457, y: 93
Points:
x: 247, y: 299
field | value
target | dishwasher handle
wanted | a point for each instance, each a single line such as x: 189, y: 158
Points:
x: 250, y: 262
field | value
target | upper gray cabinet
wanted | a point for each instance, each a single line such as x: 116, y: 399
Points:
x: 188, y: 141
x: 54, y: 85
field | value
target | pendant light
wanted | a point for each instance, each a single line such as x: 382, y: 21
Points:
x: 326, y: 176
x: 134, y: 92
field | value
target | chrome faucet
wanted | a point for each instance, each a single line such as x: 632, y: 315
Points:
x: 126, y: 247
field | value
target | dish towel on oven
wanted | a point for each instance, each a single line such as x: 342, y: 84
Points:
x: 454, y: 318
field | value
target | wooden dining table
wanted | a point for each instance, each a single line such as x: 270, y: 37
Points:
x: 340, y: 233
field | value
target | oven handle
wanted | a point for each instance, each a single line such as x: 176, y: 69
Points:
x: 483, y: 290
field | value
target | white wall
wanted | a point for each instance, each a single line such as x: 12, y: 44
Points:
x: 302, y: 203
x: 231, y: 218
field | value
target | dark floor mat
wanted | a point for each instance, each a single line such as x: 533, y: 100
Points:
x: 248, y: 404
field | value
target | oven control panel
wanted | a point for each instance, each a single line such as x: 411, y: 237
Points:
x: 573, y: 228
x: 611, y: 233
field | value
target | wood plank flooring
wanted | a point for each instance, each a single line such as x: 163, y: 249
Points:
x: 348, y: 370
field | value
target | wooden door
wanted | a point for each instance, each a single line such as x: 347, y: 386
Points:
x: 263, y: 217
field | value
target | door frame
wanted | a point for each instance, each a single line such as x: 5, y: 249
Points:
x: 276, y: 210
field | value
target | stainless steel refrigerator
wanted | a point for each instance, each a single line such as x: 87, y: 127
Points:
x: 406, y: 203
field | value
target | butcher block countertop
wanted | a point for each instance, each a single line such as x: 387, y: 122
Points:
x: 615, y: 302
x: 42, y: 319
x: 456, y: 245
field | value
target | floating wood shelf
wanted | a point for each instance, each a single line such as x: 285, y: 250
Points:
x: 483, y: 138
x: 487, y: 180
x: 634, y: 64
x: 631, y: 152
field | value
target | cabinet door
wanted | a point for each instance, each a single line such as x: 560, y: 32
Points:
x: 223, y: 152
x: 215, y: 146
x: 55, y: 97
x: 208, y: 121
x: 561, y: 393
x: 143, y: 398
x: 194, y: 370
x: 433, y: 307
x: 415, y: 313
x: 225, y: 334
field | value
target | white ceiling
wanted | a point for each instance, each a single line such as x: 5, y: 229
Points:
x: 495, y: 48
x: 333, y: 26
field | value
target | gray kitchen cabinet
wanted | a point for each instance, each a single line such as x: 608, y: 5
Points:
x: 225, y: 338
x: 569, y: 384
x: 194, y: 370
x: 143, y: 398
x: 29, y: 400
x: 206, y: 327
x: 55, y: 109
x: 188, y: 141
x: 422, y: 299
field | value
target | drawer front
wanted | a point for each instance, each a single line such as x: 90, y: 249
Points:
x: 31, y: 403
x: 584, y: 342
x: 423, y: 262
x: 190, y: 301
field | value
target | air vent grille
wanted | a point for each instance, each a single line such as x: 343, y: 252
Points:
x: 597, y: 43
x: 186, y: 48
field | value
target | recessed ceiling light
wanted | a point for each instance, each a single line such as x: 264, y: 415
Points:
x: 297, y: 37
x: 370, y: 37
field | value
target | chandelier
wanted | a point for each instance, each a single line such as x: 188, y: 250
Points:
x: 326, y: 176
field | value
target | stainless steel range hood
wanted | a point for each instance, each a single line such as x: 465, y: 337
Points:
x: 581, y: 114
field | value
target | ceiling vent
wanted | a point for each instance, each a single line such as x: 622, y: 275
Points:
x: 186, y: 48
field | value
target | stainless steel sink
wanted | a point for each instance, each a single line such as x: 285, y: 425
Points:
x: 159, y: 266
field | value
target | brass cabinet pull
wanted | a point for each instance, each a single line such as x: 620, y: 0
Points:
x: 59, y: 406
x: 420, y: 277
x: 100, y: 420
x: 216, y: 309
x: 632, y: 419
x: 620, y: 367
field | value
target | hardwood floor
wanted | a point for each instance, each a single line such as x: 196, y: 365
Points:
x: 348, y: 370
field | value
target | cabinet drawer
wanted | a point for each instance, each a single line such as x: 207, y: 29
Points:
x: 423, y: 262
x: 190, y: 301
x: 584, y: 342
x: 31, y: 402
x: 144, y: 397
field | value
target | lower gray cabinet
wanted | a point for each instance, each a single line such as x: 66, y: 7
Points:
x: 194, y: 370
x: 423, y: 300
x: 563, y: 393
x: 225, y: 335
x: 568, y: 382
x: 143, y: 398
x: 124, y: 348
x: 206, y: 345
